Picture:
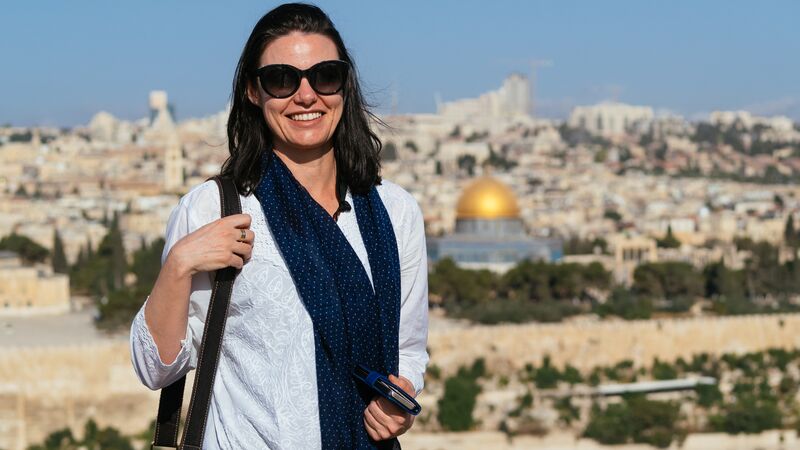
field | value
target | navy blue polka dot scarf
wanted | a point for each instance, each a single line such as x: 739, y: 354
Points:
x: 353, y: 324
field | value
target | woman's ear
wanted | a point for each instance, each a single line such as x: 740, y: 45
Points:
x: 253, y: 94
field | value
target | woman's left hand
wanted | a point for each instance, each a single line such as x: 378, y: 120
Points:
x: 383, y: 419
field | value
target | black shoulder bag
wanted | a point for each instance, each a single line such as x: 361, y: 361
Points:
x: 169, y: 407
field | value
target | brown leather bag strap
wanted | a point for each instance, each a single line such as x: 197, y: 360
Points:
x: 169, y: 408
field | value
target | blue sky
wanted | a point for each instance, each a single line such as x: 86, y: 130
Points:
x: 62, y: 61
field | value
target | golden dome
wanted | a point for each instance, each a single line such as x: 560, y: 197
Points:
x: 487, y: 198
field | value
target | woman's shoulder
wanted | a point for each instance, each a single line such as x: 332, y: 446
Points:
x: 201, y: 193
x: 202, y: 201
x: 399, y: 203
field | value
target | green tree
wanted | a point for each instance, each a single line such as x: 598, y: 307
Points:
x: 654, y: 422
x: 107, y: 438
x: 613, y: 215
x: 112, y: 252
x: 102, y: 271
x: 57, y: 440
x: 609, y: 426
x: 721, y: 281
x: 625, y: 304
x: 747, y: 415
x: 708, y: 395
x: 29, y: 251
x: 635, y: 419
x: 80, y: 260
x: 460, y: 288
x: 547, y: 376
x: 571, y: 375
x: 663, y: 370
x: 121, y: 305
x: 94, y: 438
x: 567, y: 412
x: 147, y: 263
x: 59, y: 259
x: 458, y: 401
x: 467, y: 164
x: 499, y: 161
x: 668, y: 280
x: 117, y: 309
x: 669, y: 241
x: 789, y: 233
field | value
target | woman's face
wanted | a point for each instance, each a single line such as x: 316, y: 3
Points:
x: 304, y: 121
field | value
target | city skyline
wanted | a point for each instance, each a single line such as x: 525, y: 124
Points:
x: 69, y: 62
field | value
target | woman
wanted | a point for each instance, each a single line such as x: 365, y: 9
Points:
x: 333, y: 264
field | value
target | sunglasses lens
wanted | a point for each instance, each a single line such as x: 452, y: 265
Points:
x: 279, y: 81
x: 329, y: 77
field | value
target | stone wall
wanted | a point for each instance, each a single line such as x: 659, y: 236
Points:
x: 480, y: 440
x: 46, y: 388
x: 32, y: 290
x: 587, y: 344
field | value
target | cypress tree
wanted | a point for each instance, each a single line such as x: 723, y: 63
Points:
x: 669, y: 241
x: 116, y: 254
x: 59, y: 259
x: 789, y: 233
x: 81, y: 259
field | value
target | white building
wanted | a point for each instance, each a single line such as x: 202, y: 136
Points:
x: 173, y: 164
x: 161, y: 112
x: 781, y: 124
x: 609, y: 118
x: 105, y: 128
x: 511, y: 100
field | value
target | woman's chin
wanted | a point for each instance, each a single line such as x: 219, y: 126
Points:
x: 304, y: 148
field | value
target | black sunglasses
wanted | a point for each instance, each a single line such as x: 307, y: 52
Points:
x: 283, y: 80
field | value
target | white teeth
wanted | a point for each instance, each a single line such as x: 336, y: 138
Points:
x: 305, y: 116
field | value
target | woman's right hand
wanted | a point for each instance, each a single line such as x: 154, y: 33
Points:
x: 215, y: 245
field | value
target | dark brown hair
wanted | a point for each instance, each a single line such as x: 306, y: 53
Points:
x: 356, y: 147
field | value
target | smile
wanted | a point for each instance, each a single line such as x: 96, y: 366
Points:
x: 304, y: 117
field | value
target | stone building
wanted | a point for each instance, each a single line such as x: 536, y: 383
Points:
x: 30, y: 290
x: 609, y: 118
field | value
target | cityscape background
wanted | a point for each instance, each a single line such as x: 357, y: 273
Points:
x: 609, y: 190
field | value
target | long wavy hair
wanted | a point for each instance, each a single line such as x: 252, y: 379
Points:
x: 356, y: 148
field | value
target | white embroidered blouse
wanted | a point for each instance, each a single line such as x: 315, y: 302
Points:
x: 265, y: 391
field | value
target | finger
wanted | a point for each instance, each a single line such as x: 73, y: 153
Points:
x: 386, y: 413
x: 404, y: 384
x: 396, y: 420
x: 241, y: 248
x: 238, y: 220
x: 236, y: 261
x: 371, y: 432
x: 380, y: 430
x: 249, y: 236
x: 236, y: 234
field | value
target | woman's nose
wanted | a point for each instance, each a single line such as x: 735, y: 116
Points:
x: 305, y: 95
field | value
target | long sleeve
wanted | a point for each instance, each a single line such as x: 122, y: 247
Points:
x: 413, y: 333
x: 194, y: 210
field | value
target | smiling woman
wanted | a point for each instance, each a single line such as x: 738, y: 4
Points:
x: 332, y: 258
x: 302, y: 119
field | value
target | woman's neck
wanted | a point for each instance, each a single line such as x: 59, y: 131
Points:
x: 316, y: 172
